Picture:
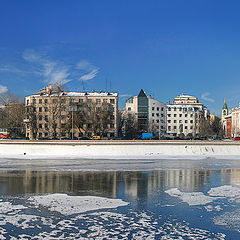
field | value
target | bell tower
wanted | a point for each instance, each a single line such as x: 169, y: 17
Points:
x: 224, y: 110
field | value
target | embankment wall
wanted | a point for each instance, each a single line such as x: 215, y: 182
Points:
x: 115, y: 149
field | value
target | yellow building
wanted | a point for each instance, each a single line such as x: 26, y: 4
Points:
x: 53, y: 113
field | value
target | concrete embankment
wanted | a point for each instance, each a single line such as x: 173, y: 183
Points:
x: 116, y: 149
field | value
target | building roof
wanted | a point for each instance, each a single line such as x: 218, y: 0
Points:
x: 225, y: 105
x: 142, y: 94
x: 76, y: 94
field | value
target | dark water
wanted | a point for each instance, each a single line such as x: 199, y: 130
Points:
x: 151, y: 213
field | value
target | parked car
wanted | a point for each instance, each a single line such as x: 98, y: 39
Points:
x: 237, y: 139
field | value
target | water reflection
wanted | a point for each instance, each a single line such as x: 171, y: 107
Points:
x: 132, y: 184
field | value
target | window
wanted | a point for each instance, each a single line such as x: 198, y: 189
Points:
x: 180, y: 115
x: 40, y: 125
x: 63, y: 117
x: 46, y: 126
x: 169, y: 115
x: 40, y: 109
x: 63, y: 100
x: 157, y: 108
x: 54, y: 100
x: 175, y: 109
x: 191, y: 121
x: 105, y: 100
x: 161, y: 109
x: 175, y: 127
x: 40, y: 101
x: 175, y: 115
x: 40, y: 135
x: 46, y: 118
x: 71, y: 100
x: 185, y: 115
x: 152, y: 108
x: 111, y: 125
x: 169, y: 128
x: 34, y: 101
x: 152, y: 114
x: 157, y: 121
x: 98, y: 100
x: 28, y: 102
x: 112, y: 100
x: 191, y: 127
x: 186, y: 121
x: 46, y: 101
x: 157, y: 114
x: 175, y: 121
x: 169, y: 109
x: 40, y: 117
x: 191, y: 115
x: 180, y: 121
x: 80, y: 100
x: 180, y: 109
x: 169, y: 121
x: 161, y: 127
x: 161, y: 115
x: 46, y: 134
x: 186, y: 127
x: 46, y: 109
x: 64, y: 109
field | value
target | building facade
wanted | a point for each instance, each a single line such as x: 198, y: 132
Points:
x: 52, y: 113
x: 150, y: 113
x: 184, y: 115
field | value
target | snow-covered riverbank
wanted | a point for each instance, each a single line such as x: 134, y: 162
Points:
x: 116, y: 149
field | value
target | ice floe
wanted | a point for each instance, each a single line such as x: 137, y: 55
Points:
x: 228, y: 191
x: 192, y: 198
x: 68, y: 205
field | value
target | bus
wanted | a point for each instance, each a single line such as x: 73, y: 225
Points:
x: 4, y: 133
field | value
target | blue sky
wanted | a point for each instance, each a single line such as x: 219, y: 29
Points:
x: 166, y: 47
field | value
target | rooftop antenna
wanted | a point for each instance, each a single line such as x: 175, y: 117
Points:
x: 83, y: 86
x: 110, y: 86
x: 106, y: 84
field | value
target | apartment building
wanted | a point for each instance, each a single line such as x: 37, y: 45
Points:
x: 52, y: 113
x: 184, y: 114
x: 150, y: 113
x: 182, y: 119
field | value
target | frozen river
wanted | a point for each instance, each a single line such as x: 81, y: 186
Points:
x: 120, y: 199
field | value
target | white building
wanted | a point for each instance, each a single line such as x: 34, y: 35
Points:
x: 150, y: 113
x: 184, y: 114
x: 182, y: 119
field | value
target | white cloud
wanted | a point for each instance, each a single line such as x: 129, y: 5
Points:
x: 84, y: 65
x: 51, y: 71
x: 205, y: 96
x: 3, y: 89
x: 90, y: 75
x: 88, y: 69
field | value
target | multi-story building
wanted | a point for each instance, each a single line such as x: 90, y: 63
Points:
x: 183, y: 116
x: 52, y: 113
x: 150, y: 113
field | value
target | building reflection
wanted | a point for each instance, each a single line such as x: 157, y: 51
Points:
x: 131, y: 185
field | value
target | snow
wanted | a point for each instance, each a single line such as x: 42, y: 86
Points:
x: 68, y: 205
x: 192, y: 198
x: 227, y: 191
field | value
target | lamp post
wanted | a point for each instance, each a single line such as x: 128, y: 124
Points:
x: 72, y: 122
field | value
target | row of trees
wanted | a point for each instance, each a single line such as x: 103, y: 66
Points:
x: 87, y: 117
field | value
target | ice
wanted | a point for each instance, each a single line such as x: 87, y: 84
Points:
x: 192, y: 198
x: 68, y: 205
x: 228, y: 191
x: 229, y: 219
